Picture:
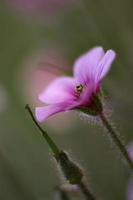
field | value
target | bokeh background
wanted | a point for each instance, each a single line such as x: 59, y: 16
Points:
x: 39, y: 40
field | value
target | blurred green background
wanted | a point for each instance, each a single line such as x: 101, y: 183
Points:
x: 26, y: 167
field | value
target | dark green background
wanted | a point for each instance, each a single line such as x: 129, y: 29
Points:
x: 26, y: 168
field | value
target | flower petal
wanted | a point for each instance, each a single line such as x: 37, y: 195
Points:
x: 104, y: 65
x: 42, y: 113
x: 60, y: 90
x: 85, y: 98
x: 86, y: 64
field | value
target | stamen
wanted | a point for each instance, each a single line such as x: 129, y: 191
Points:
x: 79, y: 88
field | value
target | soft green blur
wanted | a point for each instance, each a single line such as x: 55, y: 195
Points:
x: 27, y: 171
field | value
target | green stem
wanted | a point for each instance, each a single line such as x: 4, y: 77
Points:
x: 116, y: 139
x: 86, y: 192
x: 70, y: 169
x: 50, y: 142
x: 63, y: 194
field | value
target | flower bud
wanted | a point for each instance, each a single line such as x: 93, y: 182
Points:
x: 71, y: 170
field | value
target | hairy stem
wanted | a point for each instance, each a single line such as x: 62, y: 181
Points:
x: 50, y: 142
x: 72, y: 172
x: 62, y: 194
x: 116, y: 140
x: 86, y: 192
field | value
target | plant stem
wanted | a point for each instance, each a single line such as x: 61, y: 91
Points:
x: 50, y: 142
x: 72, y: 172
x: 63, y: 194
x: 86, y: 192
x: 116, y: 139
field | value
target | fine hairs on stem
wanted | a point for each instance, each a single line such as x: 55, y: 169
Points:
x: 86, y: 192
x: 98, y: 106
x: 61, y: 193
x: 70, y: 169
x: 50, y: 142
x: 116, y: 139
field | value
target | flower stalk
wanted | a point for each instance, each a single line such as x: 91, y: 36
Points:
x: 116, y: 139
x: 97, y: 110
x: 62, y: 194
x: 51, y: 143
x: 70, y: 169
x: 86, y: 192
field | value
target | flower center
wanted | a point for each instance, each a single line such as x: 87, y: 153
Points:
x: 79, y: 88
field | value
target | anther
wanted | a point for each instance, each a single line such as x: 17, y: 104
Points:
x: 79, y: 88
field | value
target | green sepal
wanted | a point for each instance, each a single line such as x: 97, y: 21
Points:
x: 88, y: 111
x: 95, y: 107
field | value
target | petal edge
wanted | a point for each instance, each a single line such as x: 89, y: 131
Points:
x: 104, y: 65
x: 61, y: 89
x: 85, y: 65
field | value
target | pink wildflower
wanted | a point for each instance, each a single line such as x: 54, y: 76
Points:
x: 67, y: 93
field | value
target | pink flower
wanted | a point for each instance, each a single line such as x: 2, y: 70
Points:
x: 67, y: 93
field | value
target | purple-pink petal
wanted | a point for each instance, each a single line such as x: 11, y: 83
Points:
x: 42, y: 113
x: 86, y: 64
x: 67, y: 93
x: 60, y: 90
x: 85, y: 98
x: 104, y: 65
